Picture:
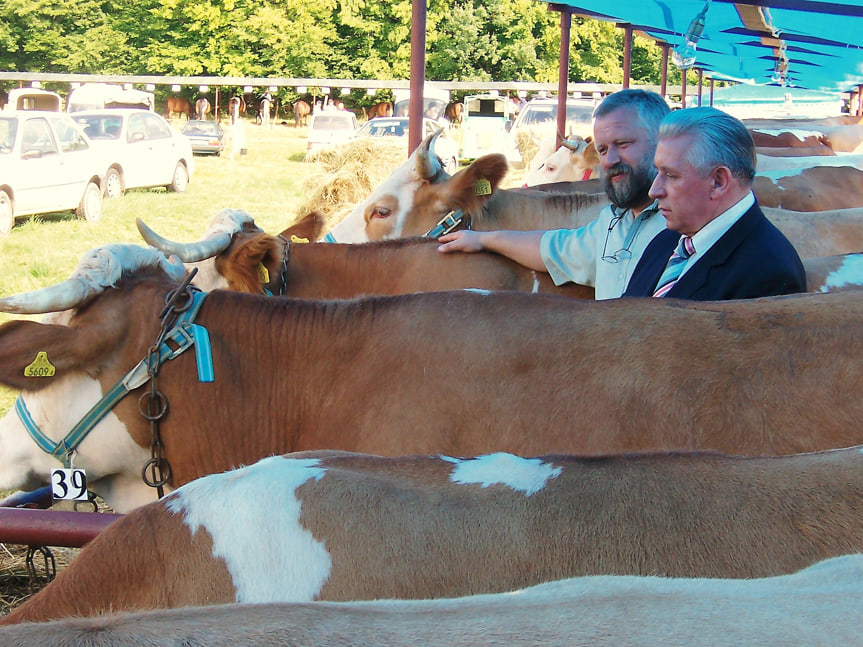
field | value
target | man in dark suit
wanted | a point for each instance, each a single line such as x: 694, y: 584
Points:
x: 718, y: 245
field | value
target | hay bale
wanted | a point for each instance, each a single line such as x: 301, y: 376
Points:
x: 345, y: 175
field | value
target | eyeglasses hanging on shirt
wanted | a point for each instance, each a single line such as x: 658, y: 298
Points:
x: 624, y: 253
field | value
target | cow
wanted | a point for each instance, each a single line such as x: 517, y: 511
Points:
x: 177, y: 106
x: 815, y: 606
x: 453, y: 112
x: 419, y: 194
x: 244, y: 258
x: 202, y: 108
x: 302, y: 110
x: 770, y: 376
x: 771, y: 138
x: 575, y: 160
x: 796, y: 151
x: 235, y: 254
x: 381, y: 109
x: 339, y: 526
x: 818, y: 188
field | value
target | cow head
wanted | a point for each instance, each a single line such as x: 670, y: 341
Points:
x: 418, y: 194
x: 235, y: 254
x: 80, y: 351
x: 575, y: 160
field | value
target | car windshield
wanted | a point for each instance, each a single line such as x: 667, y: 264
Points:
x: 540, y: 113
x: 201, y: 128
x: 8, y: 128
x: 384, y: 128
x: 101, y: 126
x: 333, y: 122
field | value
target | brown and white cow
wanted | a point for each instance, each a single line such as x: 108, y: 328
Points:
x: 834, y: 273
x: 456, y: 372
x: 339, y: 271
x: 419, y: 193
x: 341, y: 526
x: 574, y: 161
x: 816, y: 606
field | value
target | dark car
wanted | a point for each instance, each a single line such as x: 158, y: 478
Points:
x: 206, y: 137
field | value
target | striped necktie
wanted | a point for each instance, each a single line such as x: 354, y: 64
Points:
x: 675, y: 266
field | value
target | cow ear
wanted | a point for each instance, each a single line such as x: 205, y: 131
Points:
x: 310, y: 227
x: 472, y: 187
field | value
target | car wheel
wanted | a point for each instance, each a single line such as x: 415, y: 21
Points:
x: 181, y: 179
x: 113, y: 183
x: 90, y: 208
x: 7, y: 218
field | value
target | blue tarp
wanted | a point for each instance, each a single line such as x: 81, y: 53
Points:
x: 794, y: 43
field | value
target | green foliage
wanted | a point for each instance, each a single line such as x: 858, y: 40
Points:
x: 499, y: 40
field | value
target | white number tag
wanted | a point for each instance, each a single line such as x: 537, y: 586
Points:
x: 69, y: 485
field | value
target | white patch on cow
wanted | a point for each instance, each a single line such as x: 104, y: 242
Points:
x: 535, y: 288
x: 208, y: 277
x: 849, y: 273
x: 105, y: 266
x: 528, y: 475
x: 112, y: 460
x: 479, y: 291
x: 275, y: 561
x: 800, y: 134
x: 228, y: 221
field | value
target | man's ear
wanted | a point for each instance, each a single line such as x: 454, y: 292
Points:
x: 721, y: 179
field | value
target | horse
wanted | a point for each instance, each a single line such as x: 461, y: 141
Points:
x: 177, y: 106
x: 202, y: 108
x: 382, y: 109
x: 453, y: 112
x: 302, y: 110
x: 236, y: 106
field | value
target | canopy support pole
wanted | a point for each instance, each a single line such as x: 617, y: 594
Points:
x: 418, y: 74
x: 563, y: 72
x: 700, y: 73
x: 663, y: 83
x: 627, y: 53
x: 683, y: 89
x: 711, y: 92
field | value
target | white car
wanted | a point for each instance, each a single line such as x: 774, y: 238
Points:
x: 444, y: 147
x: 329, y: 128
x: 47, y: 165
x: 140, y: 149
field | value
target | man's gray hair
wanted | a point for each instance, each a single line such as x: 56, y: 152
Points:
x: 718, y: 139
x: 650, y: 107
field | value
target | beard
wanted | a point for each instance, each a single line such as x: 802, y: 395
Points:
x: 632, y: 190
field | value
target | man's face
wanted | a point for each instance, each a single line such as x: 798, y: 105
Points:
x: 684, y: 196
x: 625, y: 157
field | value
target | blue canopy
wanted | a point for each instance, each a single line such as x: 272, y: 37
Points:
x: 795, y: 43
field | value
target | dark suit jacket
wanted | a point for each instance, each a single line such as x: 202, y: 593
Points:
x: 752, y: 259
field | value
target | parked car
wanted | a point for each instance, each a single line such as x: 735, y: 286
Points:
x: 206, y: 137
x: 539, y: 118
x: 47, y: 165
x: 330, y: 127
x: 444, y: 147
x: 141, y: 149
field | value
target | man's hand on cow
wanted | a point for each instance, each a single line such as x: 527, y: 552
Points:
x: 461, y: 241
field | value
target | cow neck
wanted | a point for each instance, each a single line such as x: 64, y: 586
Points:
x: 282, y: 284
x: 174, y: 339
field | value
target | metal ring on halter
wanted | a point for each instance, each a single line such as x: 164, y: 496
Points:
x: 157, y: 397
x: 163, y: 466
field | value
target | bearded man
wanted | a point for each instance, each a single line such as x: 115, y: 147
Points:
x: 603, y: 253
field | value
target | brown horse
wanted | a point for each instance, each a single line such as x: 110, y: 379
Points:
x: 382, y: 109
x: 302, y: 110
x: 202, y: 108
x: 236, y: 107
x: 453, y: 112
x: 177, y: 106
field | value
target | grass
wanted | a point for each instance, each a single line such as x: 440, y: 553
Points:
x: 266, y: 182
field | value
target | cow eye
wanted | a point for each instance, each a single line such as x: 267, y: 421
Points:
x: 381, y: 212
x: 552, y: 168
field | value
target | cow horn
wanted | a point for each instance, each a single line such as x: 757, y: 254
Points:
x: 217, y: 238
x: 99, y: 268
x: 428, y: 165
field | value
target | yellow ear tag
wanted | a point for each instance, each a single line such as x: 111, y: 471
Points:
x: 263, y: 273
x: 40, y: 367
x: 297, y: 239
x: 482, y: 187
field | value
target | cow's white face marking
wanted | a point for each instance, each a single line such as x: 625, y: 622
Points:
x: 849, y: 273
x: 107, y: 451
x: 403, y: 185
x: 207, y: 278
x: 528, y: 475
x: 275, y: 561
